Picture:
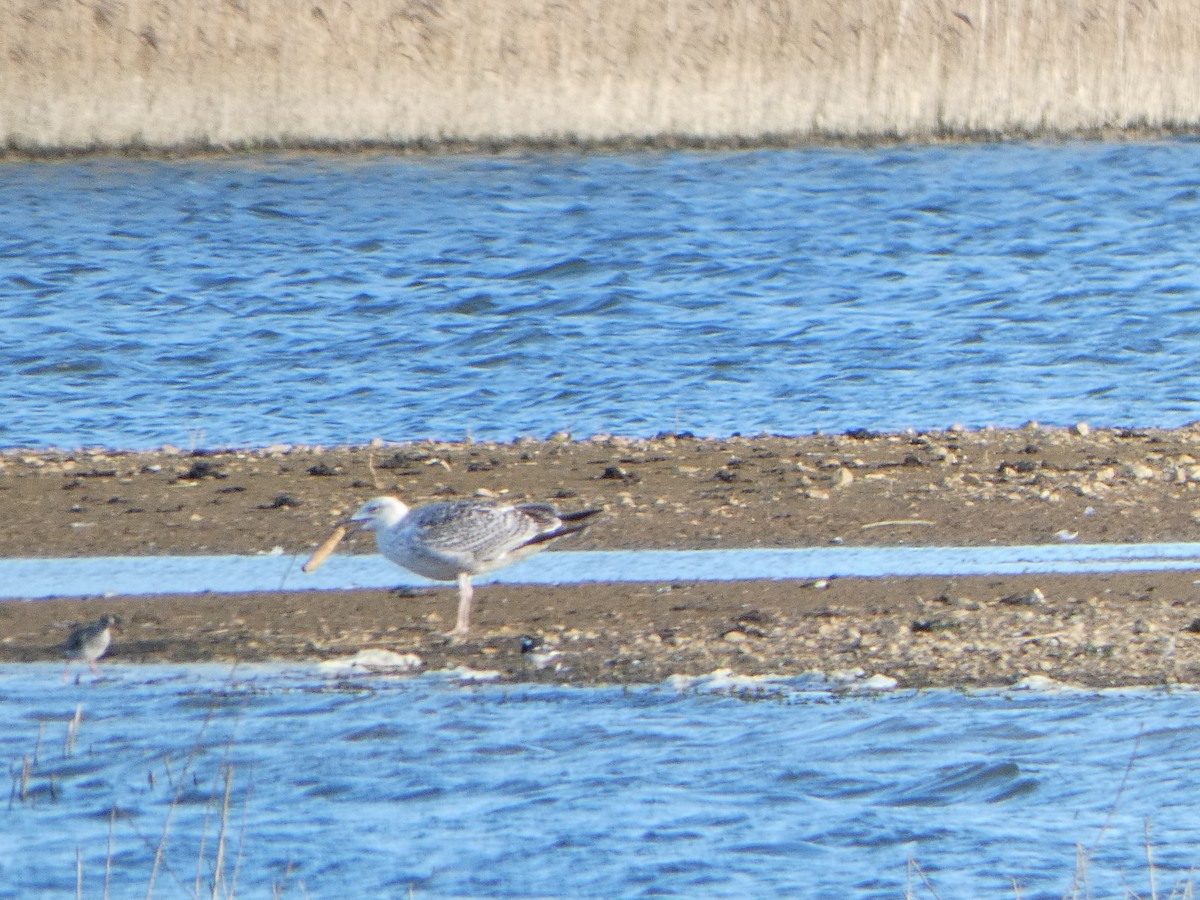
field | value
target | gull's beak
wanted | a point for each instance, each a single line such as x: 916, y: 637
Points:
x: 355, y: 521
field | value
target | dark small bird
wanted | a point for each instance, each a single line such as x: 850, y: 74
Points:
x: 90, y: 642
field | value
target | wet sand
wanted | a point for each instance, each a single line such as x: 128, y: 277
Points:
x: 1024, y: 486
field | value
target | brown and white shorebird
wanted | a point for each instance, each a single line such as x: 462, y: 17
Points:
x: 90, y: 642
x: 454, y: 541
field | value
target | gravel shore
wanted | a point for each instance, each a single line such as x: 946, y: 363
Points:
x: 1023, y: 486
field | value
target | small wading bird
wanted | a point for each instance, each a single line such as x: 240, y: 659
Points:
x: 454, y: 541
x: 90, y: 642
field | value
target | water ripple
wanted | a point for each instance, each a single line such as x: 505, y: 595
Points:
x: 780, y: 291
x: 600, y: 791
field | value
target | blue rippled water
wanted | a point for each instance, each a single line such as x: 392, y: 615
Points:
x: 384, y: 786
x: 331, y: 299
x: 335, y: 299
x: 89, y: 576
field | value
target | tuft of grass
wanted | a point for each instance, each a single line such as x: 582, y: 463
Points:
x: 217, y: 867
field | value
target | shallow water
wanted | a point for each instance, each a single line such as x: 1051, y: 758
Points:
x: 89, y: 576
x: 334, y: 299
x: 451, y: 789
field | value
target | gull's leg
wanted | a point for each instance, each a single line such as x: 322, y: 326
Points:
x: 465, y: 592
x: 92, y: 666
x: 66, y: 670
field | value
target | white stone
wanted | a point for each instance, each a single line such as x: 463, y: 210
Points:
x: 371, y: 660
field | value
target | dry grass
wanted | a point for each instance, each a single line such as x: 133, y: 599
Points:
x: 34, y: 783
x: 158, y: 74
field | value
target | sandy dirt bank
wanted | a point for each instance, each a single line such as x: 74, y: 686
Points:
x: 1025, y: 486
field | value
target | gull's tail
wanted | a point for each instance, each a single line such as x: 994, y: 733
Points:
x: 570, y: 523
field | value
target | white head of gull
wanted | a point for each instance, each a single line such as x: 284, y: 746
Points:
x: 454, y: 541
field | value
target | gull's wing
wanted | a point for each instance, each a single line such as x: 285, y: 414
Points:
x: 481, y: 530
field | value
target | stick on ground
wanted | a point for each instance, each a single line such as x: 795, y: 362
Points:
x: 320, y: 554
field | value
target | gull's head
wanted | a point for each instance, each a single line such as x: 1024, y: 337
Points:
x: 377, y: 513
x: 108, y: 621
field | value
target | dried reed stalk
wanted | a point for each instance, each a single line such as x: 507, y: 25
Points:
x: 176, y: 74
x: 321, y: 553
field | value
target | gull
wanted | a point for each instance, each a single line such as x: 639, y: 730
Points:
x: 454, y: 541
x: 90, y: 642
